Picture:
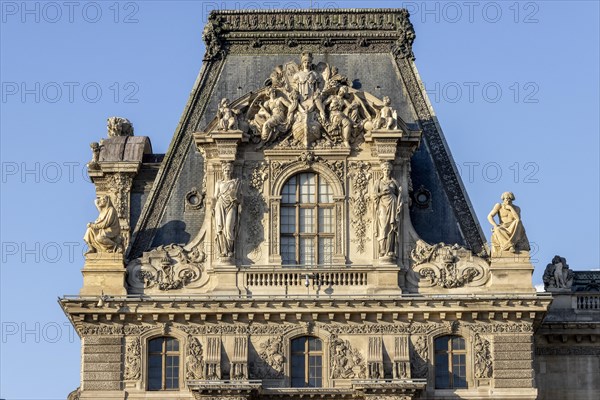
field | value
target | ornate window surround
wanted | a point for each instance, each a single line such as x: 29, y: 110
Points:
x: 156, y: 333
x: 467, y: 335
x: 339, y: 204
x: 298, y: 332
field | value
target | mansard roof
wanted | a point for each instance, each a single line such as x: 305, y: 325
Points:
x: 373, y: 48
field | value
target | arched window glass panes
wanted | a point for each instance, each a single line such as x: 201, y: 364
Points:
x: 307, y: 220
x: 163, y: 364
x: 450, y: 363
x: 307, y: 362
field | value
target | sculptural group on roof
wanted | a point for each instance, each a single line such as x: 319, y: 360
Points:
x: 307, y: 105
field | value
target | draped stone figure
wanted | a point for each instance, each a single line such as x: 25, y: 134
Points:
x: 104, y: 234
x: 508, y: 234
x: 388, y: 205
x: 227, y: 211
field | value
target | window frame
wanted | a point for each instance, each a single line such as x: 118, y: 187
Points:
x: 449, y: 353
x: 307, y: 353
x: 316, y: 235
x: 164, y: 355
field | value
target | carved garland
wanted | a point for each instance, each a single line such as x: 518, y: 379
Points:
x: 133, y: 361
x: 361, y: 176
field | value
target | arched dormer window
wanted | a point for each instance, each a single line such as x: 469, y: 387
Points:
x: 307, y: 362
x: 450, y: 363
x: 307, y: 220
x: 163, y: 363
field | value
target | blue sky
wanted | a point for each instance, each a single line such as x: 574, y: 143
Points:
x: 515, y: 86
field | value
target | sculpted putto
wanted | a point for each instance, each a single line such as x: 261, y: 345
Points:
x: 388, y: 205
x: 227, y: 116
x: 227, y: 211
x: 104, y: 234
x: 508, y: 233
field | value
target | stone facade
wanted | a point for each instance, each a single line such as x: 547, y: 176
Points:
x: 293, y: 212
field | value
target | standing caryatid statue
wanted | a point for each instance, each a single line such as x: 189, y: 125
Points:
x: 104, y: 234
x: 508, y: 234
x: 227, y: 211
x: 388, y: 206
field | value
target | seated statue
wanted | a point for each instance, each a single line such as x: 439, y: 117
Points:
x: 508, y: 234
x: 104, y: 234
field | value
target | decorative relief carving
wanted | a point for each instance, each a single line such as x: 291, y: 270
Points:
x: 120, y: 186
x: 419, y: 357
x: 558, y: 275
x: 271, y: 360
x: 165, y: 268
x: 133, y: 360
x: 212, y: 38
x: 254, y: 206
x: 483, y: 357
x: 448, y: 266
x: 501, y: 327
x: 194, y: 365
x: 403, y: 46
x: 361, y: 175
x: 346, y: 362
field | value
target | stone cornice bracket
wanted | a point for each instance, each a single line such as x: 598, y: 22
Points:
x: 218, y: 145
x: 386, y: 142
x: 244, y: 30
